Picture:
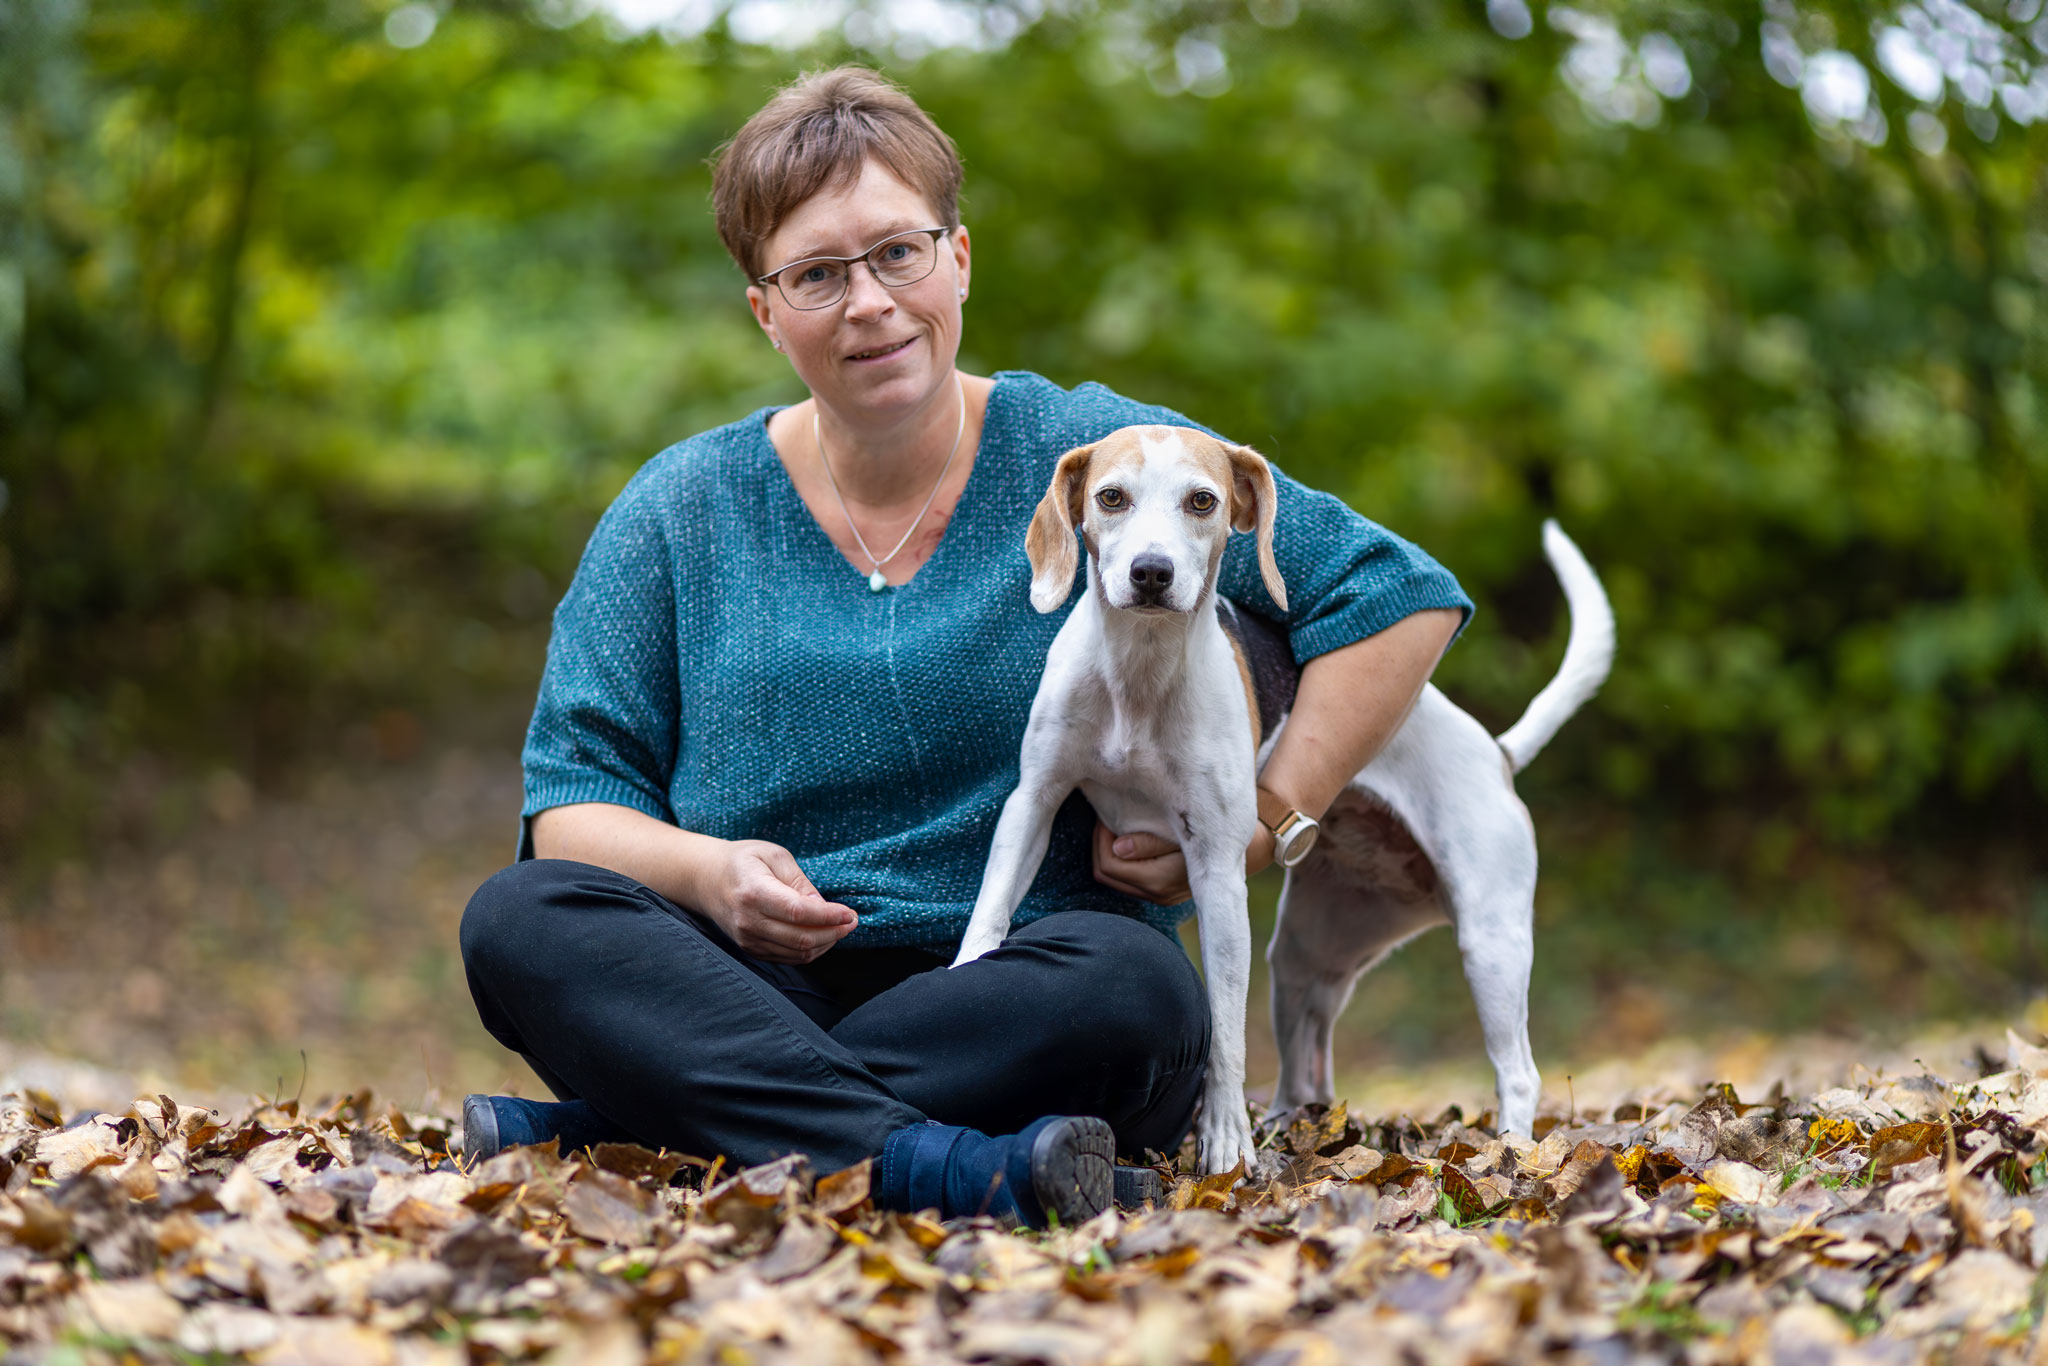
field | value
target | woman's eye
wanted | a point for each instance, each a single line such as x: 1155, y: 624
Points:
x: 815, y: 275
x: 895, y: 251
x: 1110, y: 498
x: 1202, y: 501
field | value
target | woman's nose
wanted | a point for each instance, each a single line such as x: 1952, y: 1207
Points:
x: 866, y: 296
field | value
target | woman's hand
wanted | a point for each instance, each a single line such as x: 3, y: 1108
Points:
x: 1154, y: 869
x: 757, y: 895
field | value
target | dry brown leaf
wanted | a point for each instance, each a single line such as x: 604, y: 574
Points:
x: 1320, y: 1129
x: 1475, y: 1197
x: 1396, y: 1169
x: 636, y: 1163
x: 1902, y: 1144
x: 609, y: 1209
x: 64, y: 1153
x: 1763, y: 1141
x: 844, y: 1192
x: 1587, y: 1155
x: 1737, y: 1181
x: 126, y: 1309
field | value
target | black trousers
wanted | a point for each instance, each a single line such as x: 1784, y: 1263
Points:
x: 650, y: 1013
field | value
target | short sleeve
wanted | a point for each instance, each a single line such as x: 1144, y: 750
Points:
x: 1346, y: 577
x: 605, y: 727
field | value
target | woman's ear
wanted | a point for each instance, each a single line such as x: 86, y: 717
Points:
x: 1049, y: 544
x: 1252, y: 505
x: 963, y: 255
x: 757, y: 300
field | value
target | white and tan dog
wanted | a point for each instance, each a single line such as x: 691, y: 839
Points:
x: 1147, y: 706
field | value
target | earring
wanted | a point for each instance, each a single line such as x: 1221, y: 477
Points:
x: 963, y: 291
x: 776, y: 342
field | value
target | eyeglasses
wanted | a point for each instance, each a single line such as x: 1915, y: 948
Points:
x: 821, y: 281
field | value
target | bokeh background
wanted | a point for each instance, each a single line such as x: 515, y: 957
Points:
x: 328, y: 327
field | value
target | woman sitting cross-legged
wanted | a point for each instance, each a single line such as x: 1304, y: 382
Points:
x: 782, y: 708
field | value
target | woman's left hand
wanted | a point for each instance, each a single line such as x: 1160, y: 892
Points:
x: 1154, y: 869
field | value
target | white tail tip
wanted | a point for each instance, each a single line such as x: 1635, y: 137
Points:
x: 1588, y: 652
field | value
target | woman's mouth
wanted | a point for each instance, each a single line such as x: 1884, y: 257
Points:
x: 882, y: 352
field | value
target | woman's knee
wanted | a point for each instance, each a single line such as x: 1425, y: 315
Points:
x: 507, y: 914
x: 1128, y: 975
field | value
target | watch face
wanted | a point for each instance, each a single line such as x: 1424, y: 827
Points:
x: 1295, y: 847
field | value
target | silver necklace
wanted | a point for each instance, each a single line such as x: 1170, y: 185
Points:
x: 876, y: 583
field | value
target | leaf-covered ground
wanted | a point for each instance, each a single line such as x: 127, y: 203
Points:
x: 1902, y: 1219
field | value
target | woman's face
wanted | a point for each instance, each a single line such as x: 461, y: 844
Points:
x: 878, y: 352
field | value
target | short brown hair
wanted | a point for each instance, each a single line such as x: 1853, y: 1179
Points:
x: 817, y: 132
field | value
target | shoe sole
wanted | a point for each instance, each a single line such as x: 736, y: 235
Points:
x: 1073, y: 1165
x: 1135, y: 1185
x: 479, y: 1130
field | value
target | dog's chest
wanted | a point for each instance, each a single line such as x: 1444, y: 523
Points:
x: 1136, y: 777
x: 1130, y: 750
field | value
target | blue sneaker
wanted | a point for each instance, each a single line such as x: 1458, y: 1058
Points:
x: 491, y: 1124
x: 1060, y: 1168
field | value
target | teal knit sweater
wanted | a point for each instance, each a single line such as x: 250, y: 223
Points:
x: 717, y: 663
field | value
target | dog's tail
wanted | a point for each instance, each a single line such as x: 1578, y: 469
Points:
x: 1588, y: 652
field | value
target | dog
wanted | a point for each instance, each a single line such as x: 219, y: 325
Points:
x: 1148, y: 705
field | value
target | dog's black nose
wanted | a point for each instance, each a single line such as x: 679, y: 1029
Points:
x: 1151, y: 575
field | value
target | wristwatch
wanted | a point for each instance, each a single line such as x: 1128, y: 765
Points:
x: 1293, y: 833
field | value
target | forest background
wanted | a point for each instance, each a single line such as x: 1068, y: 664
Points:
x: 328, y: 327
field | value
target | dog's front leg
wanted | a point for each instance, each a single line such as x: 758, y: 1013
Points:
x: 1224, y: 1130
x: 1022, y: 833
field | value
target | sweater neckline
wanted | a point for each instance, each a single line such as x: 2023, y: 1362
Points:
x: 793, y: 506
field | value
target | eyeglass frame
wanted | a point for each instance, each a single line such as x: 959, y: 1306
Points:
x: 848, y: 262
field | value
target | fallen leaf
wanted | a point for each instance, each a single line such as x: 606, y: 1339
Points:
x: 1584, y: 1158
x: 844, y: 1191
x: 609, y: 1209
x: 126, y: 1309
x: 1321, y: 1129
x: 1737, y: 1181
x: 1902, y: 1144
x: 1762, y: 1140
x: 636, y: 1163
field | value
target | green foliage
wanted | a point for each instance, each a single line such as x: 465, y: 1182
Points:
x: 323, y: 336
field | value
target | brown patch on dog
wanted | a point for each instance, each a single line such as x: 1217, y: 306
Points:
x: 1049, y: 541
x: 1363, y: 836
x: 1244, y: 675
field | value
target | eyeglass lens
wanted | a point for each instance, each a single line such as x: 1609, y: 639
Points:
x: 897, y: 262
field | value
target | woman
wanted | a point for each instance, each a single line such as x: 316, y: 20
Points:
x: 782, y: 706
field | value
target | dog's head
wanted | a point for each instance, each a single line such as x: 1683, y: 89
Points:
x: 1155, y: 505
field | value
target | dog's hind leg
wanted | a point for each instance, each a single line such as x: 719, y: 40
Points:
x: 1494, y: 912
x: 1331, y: 931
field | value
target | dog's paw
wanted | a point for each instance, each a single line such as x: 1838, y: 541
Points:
x: 1225, y: 1144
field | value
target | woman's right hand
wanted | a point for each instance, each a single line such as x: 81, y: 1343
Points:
x: 759, y: 897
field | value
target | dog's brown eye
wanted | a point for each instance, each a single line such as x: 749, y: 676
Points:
x: 1110, y: 498
x: 1201, y: 500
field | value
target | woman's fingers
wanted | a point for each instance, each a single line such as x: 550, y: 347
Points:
x: 766, y: 933
x: 1159, y: 875
x: 776, y: 912
x: 787, y: 894
x: 1139, y: 845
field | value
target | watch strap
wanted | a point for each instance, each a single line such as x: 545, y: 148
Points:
x: 1275, y: 813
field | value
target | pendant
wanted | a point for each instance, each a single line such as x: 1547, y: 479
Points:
x: 876, y: 583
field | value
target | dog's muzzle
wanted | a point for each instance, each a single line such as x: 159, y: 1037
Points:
x: 1151, y: 580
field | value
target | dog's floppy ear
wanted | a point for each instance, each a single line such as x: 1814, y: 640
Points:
x: 1252, y: 505
x: 1049, y: 544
